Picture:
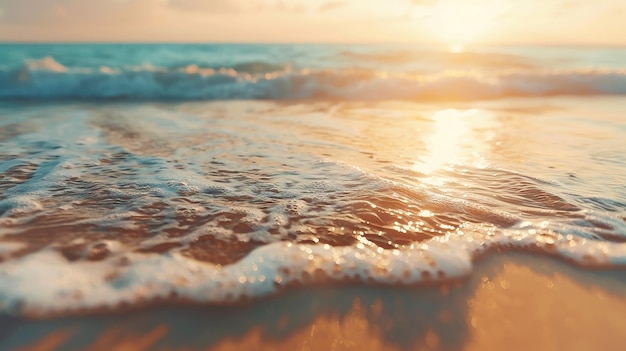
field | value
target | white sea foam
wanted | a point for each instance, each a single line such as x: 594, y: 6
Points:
x: 7, y: 248
x: 45, y: 282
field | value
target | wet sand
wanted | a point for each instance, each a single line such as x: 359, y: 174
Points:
x: 512, y: 302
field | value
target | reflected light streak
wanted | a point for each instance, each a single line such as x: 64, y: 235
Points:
x: 444, y: 142
x: 454, y: 141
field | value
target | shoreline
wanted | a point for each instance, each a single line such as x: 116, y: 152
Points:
x: 512, y: 300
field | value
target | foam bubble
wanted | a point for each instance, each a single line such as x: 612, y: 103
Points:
x: 19, y: 205
x: 6, y: 248
x: 47, y: 63
x: 44, y: 282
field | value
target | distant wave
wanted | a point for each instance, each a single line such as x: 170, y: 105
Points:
x: 445, y: 58
x: 47, y: 79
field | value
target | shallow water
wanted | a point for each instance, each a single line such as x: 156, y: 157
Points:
x: 104, y: 203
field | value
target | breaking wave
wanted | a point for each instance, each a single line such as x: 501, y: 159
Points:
x: 47, y: 79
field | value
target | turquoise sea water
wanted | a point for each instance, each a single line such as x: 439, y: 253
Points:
x: 287, y: 72
x: 212, y: 173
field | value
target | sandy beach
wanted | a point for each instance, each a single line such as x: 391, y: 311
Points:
x: 513, y: 301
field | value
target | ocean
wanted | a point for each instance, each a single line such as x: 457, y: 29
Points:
x: 210, y: 174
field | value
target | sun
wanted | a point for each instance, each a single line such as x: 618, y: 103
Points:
x: 461, y: 22
x: 456, y: 48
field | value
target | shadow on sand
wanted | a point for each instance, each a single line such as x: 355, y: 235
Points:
x: 434, y: 318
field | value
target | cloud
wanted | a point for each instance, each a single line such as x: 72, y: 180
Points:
x: 331, y: 6
x: 87, y: 12
x: 209, y: 5
x: 71, y: 12
x: 569, y: 4
x: 45, y: 12
x: 408, y: 14
x: 564, y: 7
x: 236, y: 6
x: 20, y: 11
x: 280, y: 6
x: 424, y: 2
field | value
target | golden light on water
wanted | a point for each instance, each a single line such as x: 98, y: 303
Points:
x: 458, y: 138
x: 443, y: 142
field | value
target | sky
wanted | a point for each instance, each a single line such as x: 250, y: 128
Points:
x: 565, y: 22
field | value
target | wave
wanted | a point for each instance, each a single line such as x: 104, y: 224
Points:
x: 36, y: 285
x: 48, y: 79
x: 442, y: 58
x: 118, y: 206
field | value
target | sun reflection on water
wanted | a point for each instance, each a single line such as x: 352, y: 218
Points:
x: 455, y: 140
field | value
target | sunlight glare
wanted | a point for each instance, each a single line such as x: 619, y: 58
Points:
x: 461, y: 22
x: 456, y: 48
x: 455, y: 140
x: 444, y: 142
